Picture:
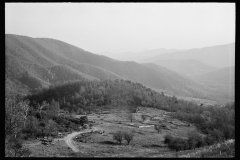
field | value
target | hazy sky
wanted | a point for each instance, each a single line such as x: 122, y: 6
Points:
x: 122, y: 27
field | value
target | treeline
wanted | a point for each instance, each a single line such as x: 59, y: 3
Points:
x: 23, y: 121
x: 85, y: 95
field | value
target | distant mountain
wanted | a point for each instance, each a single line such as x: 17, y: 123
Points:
x: 217, y: 56
x: 187, y: 67
x: 214, y: 91
x: 139, y: 56
x: 221, y: 80
x: 39, y: 62
x: 223, y: 76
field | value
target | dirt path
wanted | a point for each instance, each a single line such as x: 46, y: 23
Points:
x: 69, y: 137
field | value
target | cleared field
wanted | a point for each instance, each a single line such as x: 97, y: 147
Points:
x: 146, y: 142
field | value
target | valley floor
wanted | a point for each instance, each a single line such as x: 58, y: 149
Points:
x: 146, y: 142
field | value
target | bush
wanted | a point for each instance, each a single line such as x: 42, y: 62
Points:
x: 168, y: 139
x: 83, y: 120
x: 209, y: 140
x: 128, y: 136
x: 195, y: 140
x: 178, y: 144
x: 118, y: 136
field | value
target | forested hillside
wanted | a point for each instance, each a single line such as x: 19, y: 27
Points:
x: 39, y: 62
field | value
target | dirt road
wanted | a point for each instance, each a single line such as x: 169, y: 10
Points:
x: 69, y: 137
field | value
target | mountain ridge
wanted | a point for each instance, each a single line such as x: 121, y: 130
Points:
x: 44, y: 53
x: 223, y: 55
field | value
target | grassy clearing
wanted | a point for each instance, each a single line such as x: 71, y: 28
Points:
x: 146, y: 142
x: 58, y: 149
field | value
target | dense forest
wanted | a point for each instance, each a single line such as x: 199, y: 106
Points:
x: 45, y: 112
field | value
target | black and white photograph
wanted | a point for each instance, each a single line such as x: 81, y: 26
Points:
x: 119, y: 80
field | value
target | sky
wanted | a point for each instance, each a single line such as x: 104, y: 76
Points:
x: 124, y: 27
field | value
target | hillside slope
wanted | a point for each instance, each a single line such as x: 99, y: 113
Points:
x: 38, y: 62
x: 223, y: 76
x: 187, y: 67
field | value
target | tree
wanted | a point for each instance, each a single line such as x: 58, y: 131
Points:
x: 130, y: 113
x: 144, y: 117
x: 177, y: 144
x: 31, y: 128
x: 50, y: 127
x: 167, y: 140
x: 128, y: 136
x: 54, y: 109
x: 42, y: 128
x: 40, y: 108
x: 83, y: 120
x: 118, y: 136
x: 158, y: 127
x: 194, y: 140
x: 16, y: 112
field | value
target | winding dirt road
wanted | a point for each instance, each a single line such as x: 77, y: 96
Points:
x: 69, y: 137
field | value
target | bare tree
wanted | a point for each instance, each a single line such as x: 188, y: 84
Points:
x: 40, y: 107
x: 144, y: 117
x: 118, y: 136
x: 158, y: 127
x: 15, y: 115
x: 131, y: 111
x: 50, y: 127
x: 25, y: 108
x: 16, y: 112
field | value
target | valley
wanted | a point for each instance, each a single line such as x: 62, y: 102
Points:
x: 119, y: 80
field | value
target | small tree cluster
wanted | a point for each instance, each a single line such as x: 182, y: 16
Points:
x: 119, y: 136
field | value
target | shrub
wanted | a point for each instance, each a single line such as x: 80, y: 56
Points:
x: 128, y: 136
x: 217, y: 135
x: 118, y: 136
x: 195, y: 140
x: 168, y: 139
x: 209, y: 140
x: 83, y: 120
x: 177, y: 144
